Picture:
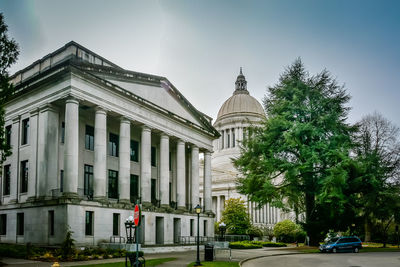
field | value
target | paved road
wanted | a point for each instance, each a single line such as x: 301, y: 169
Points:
x: 379, y: 259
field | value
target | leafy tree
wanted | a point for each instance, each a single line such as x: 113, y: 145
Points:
x: 8, y: 56
x: 298, y: 158
x: 377, y: 185
x: 288, y: 231
x: 235, y: 217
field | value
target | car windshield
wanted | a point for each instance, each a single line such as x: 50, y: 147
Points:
x: 333, y: 240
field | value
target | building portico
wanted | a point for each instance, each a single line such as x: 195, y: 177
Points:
x: 101, y: 139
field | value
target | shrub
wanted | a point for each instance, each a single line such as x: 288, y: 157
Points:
x: 68, y: 246
x: 273, y: 244
x: 254, y: 231
x: 245, y: 244
x: 288, y: 232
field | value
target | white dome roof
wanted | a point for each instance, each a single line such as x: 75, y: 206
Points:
x: 241, y: 102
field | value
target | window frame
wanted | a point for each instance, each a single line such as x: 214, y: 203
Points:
x: 7, y: 180
x: 116, y: 224
x: 153, y: 157
x: 89, y: 137
x: 88, y: 180
x: 113, y: 145
x: 113, y: 194
x: 3, y: 224
x: 8, y: 133
x: 20, y: 224
x: 25, y: 132
x: 134, y: 156
x: 24, y: 176
x: 89, y: 223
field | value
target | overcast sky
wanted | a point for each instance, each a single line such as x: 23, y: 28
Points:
x: 200, y: 45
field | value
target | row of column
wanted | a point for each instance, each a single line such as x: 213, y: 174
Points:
x: 232, y: 141
x: 71, y: 148
x: 265, y: 214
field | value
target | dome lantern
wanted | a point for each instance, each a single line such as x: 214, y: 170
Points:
x: 241, y: 84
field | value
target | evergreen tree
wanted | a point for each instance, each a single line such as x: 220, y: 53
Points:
x: 8, y: 56
x: 235, y: 217
x: 299, y: 157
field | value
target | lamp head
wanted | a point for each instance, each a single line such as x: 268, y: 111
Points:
x: 197, y: 209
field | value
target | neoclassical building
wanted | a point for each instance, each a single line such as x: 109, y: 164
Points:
x: 89, y: 139
x: 236, y: 115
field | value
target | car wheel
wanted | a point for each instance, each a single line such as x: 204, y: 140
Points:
x: 355, y: 250
x: 334, y: 250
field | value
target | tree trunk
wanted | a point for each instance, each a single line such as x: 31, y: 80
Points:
x: 312, y: 230
x: 367, y: 229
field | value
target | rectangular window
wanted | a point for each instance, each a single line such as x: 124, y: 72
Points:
x: 20, y: 224
x: 61, y: 180
x: 25, y: 132
x: 228, y: 139
x: 89, y: 138
x: 115, y: 223
x: 191, y: 227
x: 88, y: 181
x: 62, y: 132
x: 3, y: 224
x: 112, y: 184
x: 233, y: 138
x: 7, y: 179
x: 134, y: 188
x: 24, y: 176
x: 170, y: 161
x: 8, y: 135
x: 113, y: 144
x: 153, y: 190
x: 153, y: 156
x: 134, y: 151
x: 89, y: 223
x: 51, y: 222
x: 205, y: 228
x: 170, y: 192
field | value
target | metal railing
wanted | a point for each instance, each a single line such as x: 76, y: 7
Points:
x: 120, y: 239
x: 192, y: 240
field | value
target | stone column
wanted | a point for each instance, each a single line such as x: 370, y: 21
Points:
x: 207, y: 181
x: 71, y: 148
x: 240, y: 134
x: 195, y: 176
x: 221, y: 143
x: 145, y: 166
x: 15, y: 141
x: 124, y: 161
x: 218, y: 213
x: 47, y: 151
x: 33, y: 125
x: 100, y: 155
x: 164, y: 170
x: 180, y: 172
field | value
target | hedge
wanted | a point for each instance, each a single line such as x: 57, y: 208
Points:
x: 245, y: 245
x: 273, y: 244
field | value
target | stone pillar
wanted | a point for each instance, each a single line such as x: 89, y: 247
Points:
x: 124, y: 161
x: 221, y: 144
x: 240, y: 134
x: 71, y: 148
x: 100, y: 155
x: 145, y: 166
x: 207, y: 181
x: 33, y: 125
x: 218, y: 213
x: 15, y: 141
x: 180, y: 172
x: 195, y: 176
x: 164, y: 170
x: 47, y: 151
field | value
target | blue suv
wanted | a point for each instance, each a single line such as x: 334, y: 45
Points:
x: 344, y: 243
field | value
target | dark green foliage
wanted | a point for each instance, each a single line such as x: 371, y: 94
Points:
x: 304, y: 141
x: 245, y: 244
x: 68, y: 246
x: 273, y: 244
x: 235, y: 217
x: 8, y: 56
x: 254, y: 231
x: 288, y: 232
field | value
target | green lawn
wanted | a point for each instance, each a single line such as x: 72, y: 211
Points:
x: 153, y: 262
x: 218, y: 263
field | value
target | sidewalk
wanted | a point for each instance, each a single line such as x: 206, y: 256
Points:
x: 182, y: 258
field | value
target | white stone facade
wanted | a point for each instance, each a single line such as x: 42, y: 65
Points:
x: 89, y: 139
x: 238, y: 113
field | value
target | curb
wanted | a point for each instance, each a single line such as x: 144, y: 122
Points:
x: 265, y: 256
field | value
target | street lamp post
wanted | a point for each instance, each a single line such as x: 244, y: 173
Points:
x: 198, y: 210
x: 222, y: 228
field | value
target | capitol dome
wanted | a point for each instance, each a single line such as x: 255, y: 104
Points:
x: 241, y: 102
